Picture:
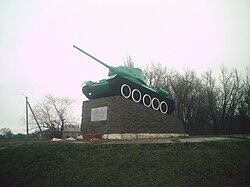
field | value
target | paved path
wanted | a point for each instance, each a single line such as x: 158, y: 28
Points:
x: 169, y: 141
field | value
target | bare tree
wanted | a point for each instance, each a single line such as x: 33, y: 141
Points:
x: 212, y: 97
x: 156, y: 75
x: 230, y: 96
x: 54, y: 113
x: 129, y: 62
x: 244, y: 106
x: 247, y: 92
x: 6, y: 132
x: 188, y: 95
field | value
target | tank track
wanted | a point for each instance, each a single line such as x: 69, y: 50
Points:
x: 139, y: 94
x: 142, y: 95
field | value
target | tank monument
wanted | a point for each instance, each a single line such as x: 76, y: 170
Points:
x: 125, y: 107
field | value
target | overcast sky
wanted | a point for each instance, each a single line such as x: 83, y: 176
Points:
x: 36, y: 38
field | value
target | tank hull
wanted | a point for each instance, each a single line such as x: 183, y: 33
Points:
x: 142, y: 94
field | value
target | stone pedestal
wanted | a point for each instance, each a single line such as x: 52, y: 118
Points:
x: 117, y: 115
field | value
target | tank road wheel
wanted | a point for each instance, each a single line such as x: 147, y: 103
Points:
x: 155, y: 103
x: 164, y: 107
x: 126, y: 91
x: 136, y: 95
x: 146, y: 100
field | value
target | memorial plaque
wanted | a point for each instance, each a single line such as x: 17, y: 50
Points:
x: 99, y: 114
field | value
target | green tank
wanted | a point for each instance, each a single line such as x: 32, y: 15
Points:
x: 129, y: 83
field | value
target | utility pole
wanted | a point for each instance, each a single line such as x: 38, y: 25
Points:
x: 27, y: 117
x: 41, y: 132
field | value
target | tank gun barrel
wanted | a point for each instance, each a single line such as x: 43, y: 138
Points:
x: 93, y: 57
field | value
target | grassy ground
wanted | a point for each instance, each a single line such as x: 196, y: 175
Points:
x: 95, y: 164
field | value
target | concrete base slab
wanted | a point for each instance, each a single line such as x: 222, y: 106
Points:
x: 131, y: 136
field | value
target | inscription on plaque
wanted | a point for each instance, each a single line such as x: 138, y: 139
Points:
x: 99, y: 114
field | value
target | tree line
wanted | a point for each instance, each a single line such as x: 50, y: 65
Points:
x: 206, y: 104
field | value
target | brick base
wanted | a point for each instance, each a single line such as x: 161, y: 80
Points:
x: 126, y: 116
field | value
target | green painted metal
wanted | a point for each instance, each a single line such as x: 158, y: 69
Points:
x: 132, y: 74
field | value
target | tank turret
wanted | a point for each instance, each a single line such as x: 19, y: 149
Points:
x: 131, y: 84
x: 132, y: 73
